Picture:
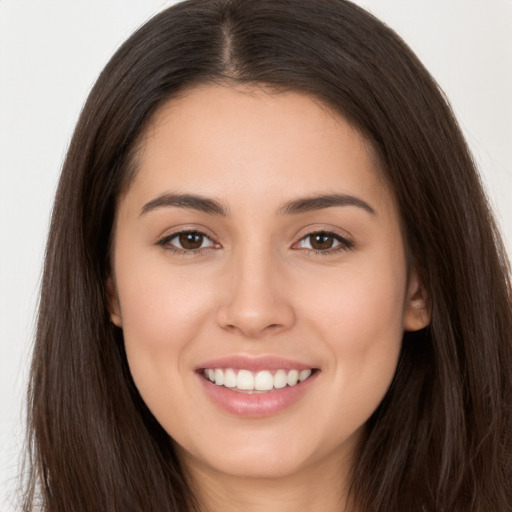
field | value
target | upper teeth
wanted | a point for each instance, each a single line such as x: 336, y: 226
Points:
x: 263, y: 380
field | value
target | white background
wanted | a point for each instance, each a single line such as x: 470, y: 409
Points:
x: 52, y: 51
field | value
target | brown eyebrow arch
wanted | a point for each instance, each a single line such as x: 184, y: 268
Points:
x: 213, y: 207
x: 308, y: 204
x: 188, y: 201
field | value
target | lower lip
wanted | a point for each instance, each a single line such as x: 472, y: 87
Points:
x: 256, y: 405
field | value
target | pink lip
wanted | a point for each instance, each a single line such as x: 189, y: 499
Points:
x: 254, y: 364
x: 256, y: 405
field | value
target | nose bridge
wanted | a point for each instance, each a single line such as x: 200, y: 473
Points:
x: 257, y: 302
x: 253, y: 273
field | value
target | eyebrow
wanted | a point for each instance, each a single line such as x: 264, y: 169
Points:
x: 308, y: 204
x: 294, y: 207
x: 188, y: 201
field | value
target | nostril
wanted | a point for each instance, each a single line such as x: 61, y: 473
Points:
x: 254, y: 318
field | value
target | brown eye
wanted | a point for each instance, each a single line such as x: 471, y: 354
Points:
x: 187, y: 241
x: 321, y: 241
x: 324, y: 241
x: 190, y: 241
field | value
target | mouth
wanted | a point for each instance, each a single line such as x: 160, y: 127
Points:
x: 253, y: 382
x: 256, y: 387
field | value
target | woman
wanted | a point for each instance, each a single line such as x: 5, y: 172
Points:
x: 272, y: 280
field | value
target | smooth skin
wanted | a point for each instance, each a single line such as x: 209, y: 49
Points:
x: 328, y: 286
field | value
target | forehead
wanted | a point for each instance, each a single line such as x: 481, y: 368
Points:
x: 221, y: 140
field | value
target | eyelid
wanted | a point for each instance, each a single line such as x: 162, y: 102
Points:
x: 343, y: 245
x: 164, y: 241
x: 344, y: 242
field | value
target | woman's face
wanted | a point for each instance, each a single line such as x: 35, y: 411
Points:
x: 258, y: 246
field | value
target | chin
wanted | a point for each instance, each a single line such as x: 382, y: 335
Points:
x: 267, y: 455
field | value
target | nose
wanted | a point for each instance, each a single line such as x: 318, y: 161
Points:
x: 257, y: 301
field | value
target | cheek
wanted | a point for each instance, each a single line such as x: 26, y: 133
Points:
x: 162, y: 313
x: 361, y: 324
x: 360, y: 307
x: 156, y: 308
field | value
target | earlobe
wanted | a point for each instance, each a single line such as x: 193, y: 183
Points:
x: 113, y: 303
x: 417, y: 307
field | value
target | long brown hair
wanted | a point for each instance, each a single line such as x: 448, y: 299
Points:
x: 442, y: 438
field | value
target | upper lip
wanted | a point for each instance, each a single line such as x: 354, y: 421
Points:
x: 253, y: 363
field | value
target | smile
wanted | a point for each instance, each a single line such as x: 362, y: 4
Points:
x: 256, y: 387
x: 247, y: 381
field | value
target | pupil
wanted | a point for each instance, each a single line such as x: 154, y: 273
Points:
x: 191, y: 240
x: 321, y: 242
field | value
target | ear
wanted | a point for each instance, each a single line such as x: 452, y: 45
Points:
x: 417, y: 307
x: 113, y: 303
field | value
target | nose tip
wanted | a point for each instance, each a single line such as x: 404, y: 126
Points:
x: 252, y: 326
x: 256, y: 309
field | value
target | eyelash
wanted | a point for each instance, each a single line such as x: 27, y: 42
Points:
x: 344, y: 244
x: 166, y: 245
